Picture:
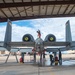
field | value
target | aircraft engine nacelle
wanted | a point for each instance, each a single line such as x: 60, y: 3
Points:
x: 50, y: 38
x: 28, y: 38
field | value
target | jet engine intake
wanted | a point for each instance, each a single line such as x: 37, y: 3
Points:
x: 50, y: 38
x: 28, y: 38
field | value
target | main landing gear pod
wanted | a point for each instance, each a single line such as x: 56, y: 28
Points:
x: 50, y: 38
x: 27, y: 38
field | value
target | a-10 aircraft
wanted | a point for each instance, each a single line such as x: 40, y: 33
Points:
x: 38, y: 44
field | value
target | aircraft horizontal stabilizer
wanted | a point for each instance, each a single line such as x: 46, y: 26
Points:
x: 1, y: 44
x: 56, y: 43
x: 21, y: 44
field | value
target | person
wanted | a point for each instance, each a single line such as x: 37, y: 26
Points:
x: 51, y: 59
x: 21, y: 59
x: 56, y: 60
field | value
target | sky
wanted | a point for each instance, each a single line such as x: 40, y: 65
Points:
x: 47, y: 26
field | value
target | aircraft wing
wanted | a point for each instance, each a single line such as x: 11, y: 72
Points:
x: 32, y: 44
x: 56, y: 49
x: 56, y: 43
x: 21, y: 44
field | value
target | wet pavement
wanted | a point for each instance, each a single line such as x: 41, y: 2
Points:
x: 12, y: 68
x: 64, y: 62
x: 28, y: 68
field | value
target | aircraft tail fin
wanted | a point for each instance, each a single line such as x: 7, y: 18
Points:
x: 8, y: 34
x: 68, y: 32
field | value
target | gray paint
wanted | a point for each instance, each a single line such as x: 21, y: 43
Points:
x: 68, y: 32
x: 8, y: 35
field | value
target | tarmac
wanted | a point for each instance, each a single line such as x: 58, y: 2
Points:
x: 28, y: 68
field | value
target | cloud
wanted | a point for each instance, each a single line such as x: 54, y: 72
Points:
x: 2, y: 32
x: 54, y: 26
x: 19, y: 31
x: 47, y: 26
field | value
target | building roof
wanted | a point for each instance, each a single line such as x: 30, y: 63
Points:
x: 33, y: 9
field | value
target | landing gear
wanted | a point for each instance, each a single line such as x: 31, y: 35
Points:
x: 34, y: 57
x: 51, y: 59
x: 22, y: 58
x: 56, y: 59
x: 42, y: 58
x: 60, y: 58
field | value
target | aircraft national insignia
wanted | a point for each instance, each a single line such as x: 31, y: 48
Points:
x: 51, y: 38
x: 26, y: 38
